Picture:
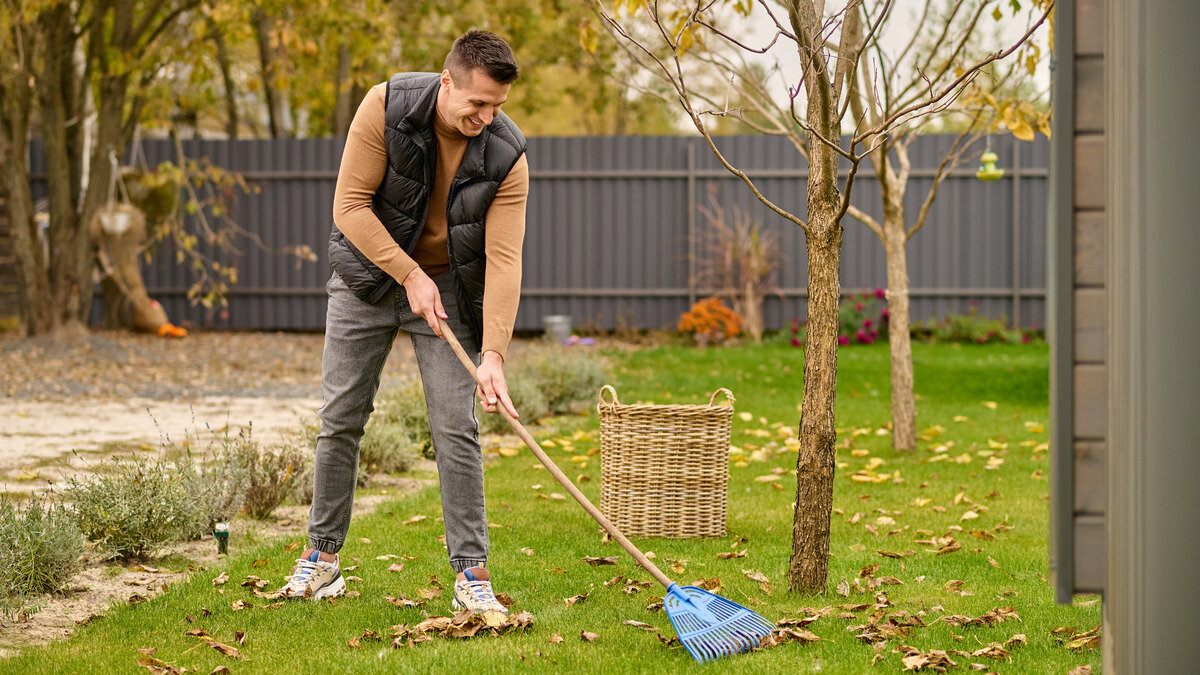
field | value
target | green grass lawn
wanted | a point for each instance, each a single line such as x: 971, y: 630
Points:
x: 978, y: 404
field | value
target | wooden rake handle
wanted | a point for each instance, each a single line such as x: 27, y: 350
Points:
x: 556, y: 472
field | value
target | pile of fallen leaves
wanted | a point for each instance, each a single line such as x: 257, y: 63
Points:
x: 465, y: 624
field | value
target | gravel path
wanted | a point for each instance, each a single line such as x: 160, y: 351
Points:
x: 67, y: 403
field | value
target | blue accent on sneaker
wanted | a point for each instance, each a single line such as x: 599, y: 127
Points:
x: 314, y: 556
x: 469, y: 575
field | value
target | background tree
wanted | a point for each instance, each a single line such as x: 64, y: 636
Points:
x: 889, y: 80
x: 76, y: 73
x: 674, y: 41
x: 300, y: 69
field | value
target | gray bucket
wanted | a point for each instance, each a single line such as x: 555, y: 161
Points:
x: 557, y: 328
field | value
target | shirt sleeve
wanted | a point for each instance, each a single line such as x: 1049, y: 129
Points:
x: 364, y: 162
x: 504, y: 237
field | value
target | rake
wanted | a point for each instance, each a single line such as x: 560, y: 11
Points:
x: 708, y: 625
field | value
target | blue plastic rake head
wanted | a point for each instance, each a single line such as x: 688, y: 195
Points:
x: 710, y: 626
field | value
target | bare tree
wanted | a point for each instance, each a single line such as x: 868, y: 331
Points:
x: 677, y: 41
x: 884, y: 82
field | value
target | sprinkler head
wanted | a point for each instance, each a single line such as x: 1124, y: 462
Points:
x: 221, y: 534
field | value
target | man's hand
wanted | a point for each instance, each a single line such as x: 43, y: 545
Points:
x: 494, y: 390
x: 426, y: 301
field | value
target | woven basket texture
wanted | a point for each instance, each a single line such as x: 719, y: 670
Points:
x: 664, y: 468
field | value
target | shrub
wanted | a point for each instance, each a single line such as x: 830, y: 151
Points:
x: 862, y: 318
x: 740, y: 258
x: 526, y: 395
x: 133, y: 506
x: 567, y: 377
x: 711, y: 322
x: 218, y: 488
x: 273, y: 472
x: 43, y: 547
x: 972, y: 327
x: 397, y: 430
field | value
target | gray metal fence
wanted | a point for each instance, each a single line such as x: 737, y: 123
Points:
x: 612, y: 223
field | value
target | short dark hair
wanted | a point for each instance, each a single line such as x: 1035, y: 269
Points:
x: 482, y: 50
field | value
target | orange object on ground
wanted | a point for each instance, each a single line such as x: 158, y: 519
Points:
x: 171, y: 330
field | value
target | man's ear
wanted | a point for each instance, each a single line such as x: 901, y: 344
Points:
x: 446, y: 79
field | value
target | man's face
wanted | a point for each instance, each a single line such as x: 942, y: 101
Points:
x: 470, y: 103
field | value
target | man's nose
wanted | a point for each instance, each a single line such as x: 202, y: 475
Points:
x: 486, y: 115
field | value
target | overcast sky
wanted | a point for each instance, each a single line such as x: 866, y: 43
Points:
x: 897, y: 33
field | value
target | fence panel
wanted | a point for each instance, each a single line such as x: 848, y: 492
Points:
x: 615, y: 228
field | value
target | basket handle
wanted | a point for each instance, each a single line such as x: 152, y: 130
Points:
x: 612, y: 392
x: 729, y: 399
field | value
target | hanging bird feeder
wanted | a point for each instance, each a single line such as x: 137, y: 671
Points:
x: 988, y: 171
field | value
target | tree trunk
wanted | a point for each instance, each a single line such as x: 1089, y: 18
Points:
x: 266, y: 56
x: 231, y: 112
x: 904, y: 410
x: 16, y: 103
x: 343, y: 111
x: 752, y: 310
x: 70, y: 260
x: 808, y: 568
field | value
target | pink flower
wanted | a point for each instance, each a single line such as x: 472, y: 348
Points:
x: 874, y: 334
x: 858, y: 306
x: 867, y: 323
x: 861, y: 336
x: 884, y: 314
x: 1025, y: 339
x: 880, y: 293
x: 843, y: 340
x: 795, y: 342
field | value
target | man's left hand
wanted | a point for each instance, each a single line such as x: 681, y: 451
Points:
x: 494, y: 390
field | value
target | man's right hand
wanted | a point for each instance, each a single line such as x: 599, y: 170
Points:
x: 424, y: 299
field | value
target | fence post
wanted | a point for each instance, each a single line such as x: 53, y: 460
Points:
x: 1016, y: 234
x: 691, y: 221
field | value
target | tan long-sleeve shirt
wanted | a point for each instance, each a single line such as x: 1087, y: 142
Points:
x: 363, y: 165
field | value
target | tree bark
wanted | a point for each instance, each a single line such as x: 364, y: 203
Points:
x: 808, y: 568
x: 904, y: 409
x: 266, y: 56
x: 343, y: 111
x: 223, y: 61
x: 27, y: 246
x: 70, y: 261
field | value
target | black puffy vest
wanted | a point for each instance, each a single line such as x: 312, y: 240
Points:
x: 402, y: 200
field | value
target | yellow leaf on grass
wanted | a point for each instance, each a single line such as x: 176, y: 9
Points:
x: 988, y: 404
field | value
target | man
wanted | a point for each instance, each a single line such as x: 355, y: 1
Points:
x: 433, y: 183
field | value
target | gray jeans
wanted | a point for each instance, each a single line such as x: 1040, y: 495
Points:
x: 358, y: 338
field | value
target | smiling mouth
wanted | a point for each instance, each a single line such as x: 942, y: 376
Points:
x: 474, y: 123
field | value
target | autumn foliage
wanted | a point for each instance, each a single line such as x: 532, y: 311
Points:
x: 711, y: 322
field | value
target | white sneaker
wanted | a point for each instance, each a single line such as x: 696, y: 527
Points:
x: 313, y: 579
x: 476, y: 595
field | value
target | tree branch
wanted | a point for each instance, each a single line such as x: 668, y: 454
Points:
x: 866, y: 219
x: 967, y: 75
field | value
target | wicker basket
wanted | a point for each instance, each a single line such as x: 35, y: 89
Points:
x: 665, y: 468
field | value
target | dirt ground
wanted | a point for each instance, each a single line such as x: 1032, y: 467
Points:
x: 67, y: 404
